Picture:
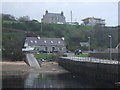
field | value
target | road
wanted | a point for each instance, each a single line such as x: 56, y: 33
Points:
x: 93, y: 60
x: 32, y: 61
x: 70, y: 54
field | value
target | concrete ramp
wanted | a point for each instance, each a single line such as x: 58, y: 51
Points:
x: 32, y: 61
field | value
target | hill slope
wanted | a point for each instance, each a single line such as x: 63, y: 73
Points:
x: 74, y: 34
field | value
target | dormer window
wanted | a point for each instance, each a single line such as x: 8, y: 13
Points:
x: 59, y: 42
x: 38, y: 37
x: 51, y: 41
x: 31, y: 41
x: 45, y: 42
x: 35, y: 41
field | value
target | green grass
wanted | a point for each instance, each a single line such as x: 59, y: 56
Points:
x: 82, y: 55
x: 44, y: 56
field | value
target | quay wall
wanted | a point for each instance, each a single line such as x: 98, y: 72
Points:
x: 98, y: 71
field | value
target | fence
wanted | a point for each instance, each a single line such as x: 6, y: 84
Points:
x: 115, y: 56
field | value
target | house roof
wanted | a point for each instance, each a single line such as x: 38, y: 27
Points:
x: 34, y: 41
x: 92, y: 18
x: 54, y: 15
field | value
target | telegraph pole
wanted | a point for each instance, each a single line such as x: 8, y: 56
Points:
x: 41, y: 25
x: 71, y: 16
x: 89, y: 44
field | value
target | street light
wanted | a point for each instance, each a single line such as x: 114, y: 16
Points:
x: 110, y: 46
x: 89, y: 45
x: 41, y: 25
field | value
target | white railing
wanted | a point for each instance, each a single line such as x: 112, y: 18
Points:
x: 93, y: 60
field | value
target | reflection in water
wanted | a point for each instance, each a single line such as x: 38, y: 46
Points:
x: 29, y: 82
x: 12, y: 81
x: 36, y: 80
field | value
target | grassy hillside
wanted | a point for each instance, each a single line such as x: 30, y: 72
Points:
x: 74, y: 34
x: 15, y: 30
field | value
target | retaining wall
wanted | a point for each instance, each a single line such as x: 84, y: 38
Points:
x: 97, y: 71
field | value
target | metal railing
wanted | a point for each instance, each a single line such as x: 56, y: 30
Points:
x: 92, y: 60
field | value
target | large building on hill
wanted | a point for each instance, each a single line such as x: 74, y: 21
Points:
x: 91, y: 21
x: 57, y: 18
x: 45, y: 45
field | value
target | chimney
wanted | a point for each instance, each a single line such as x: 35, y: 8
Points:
x: 46, y: 11
x: 62, y: 13
x: 63, y: 38
x: 38, y: 37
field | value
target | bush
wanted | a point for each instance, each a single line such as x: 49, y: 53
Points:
x: 13, y: 55
x: 12, y: 43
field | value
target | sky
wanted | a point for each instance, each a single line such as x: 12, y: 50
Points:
x: 80, y: 10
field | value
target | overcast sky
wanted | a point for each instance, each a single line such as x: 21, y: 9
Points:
x: 80, y: 10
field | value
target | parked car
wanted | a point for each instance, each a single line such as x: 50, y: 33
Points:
x: 78, y: 52
x: 43, y: 51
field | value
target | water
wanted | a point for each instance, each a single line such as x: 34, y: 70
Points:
x: 66, y: 80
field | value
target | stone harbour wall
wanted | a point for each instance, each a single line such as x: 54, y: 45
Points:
x: 99, y: 71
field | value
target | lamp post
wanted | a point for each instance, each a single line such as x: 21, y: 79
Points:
x: 110, y: 46
x: 41, y: 25
x: 89, y: 44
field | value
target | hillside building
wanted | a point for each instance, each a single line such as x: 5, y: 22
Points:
x: 91, y: 21
x: 57, y: 18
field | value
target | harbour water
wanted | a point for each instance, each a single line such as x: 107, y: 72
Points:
x: 65, y: 80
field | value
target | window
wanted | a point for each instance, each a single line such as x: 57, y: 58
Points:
x: 35, y: 41
x: 58, y: 41
x: 52, y: 18
x: 31, y: 41
x: 46, y: 48
x: 45, y: 42
x: 51, y: 41
x: 60, y: 48
x: 53, y: 48
x: 35, y: 48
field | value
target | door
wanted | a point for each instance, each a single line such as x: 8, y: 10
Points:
x: 53, y: 49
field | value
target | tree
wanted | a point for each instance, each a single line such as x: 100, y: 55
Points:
x: 24, y: 18
x: 8, y: 17
x: 12, y: 43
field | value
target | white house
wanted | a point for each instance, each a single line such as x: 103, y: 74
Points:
x: 47, y: 45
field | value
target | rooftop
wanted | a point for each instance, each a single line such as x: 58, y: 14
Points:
x: 92, y: 18
x: 54, y: 14
x: 44, y: 41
